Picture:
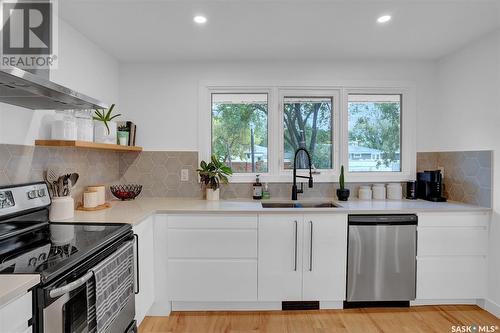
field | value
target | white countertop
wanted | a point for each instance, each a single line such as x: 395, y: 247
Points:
x: 137, y: 210
x: 13, y: 286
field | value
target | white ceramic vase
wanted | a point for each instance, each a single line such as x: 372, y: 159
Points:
x: 212, y: 195
x: 101, y: 134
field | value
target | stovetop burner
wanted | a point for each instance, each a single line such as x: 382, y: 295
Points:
x: 52, y: 247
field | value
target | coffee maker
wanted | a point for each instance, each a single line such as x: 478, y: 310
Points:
x: 430, y: 186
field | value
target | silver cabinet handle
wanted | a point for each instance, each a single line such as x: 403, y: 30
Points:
x: 296, y: 239
x: 311, y: 247
x: 71, y: 286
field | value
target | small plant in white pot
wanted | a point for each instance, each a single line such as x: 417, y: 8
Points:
x: 105, y: 129
x: 212, y: 174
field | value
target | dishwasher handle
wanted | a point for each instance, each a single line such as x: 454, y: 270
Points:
x: 396, y: 219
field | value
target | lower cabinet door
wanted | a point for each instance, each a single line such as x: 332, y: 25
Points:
x: 215, y: 280
x: 280, y: 257
x: 144, y: 256
x: 452, y: 277
x: 15, y: 315
x: 325, y: 253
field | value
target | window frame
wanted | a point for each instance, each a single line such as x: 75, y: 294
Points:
x: 277, y: 91
x: 205, y: 126
x: 408, y: 137
x: 323, y: 175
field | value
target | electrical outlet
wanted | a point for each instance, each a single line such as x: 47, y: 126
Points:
x: 184, y: 175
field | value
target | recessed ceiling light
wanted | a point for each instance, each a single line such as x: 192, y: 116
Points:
x: 384, y: 19
x: 200, y: 19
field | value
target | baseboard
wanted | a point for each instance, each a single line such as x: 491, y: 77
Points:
x: 225, y: 306
x: 160, y: 309
x: 331, y: 305
x: 490, y: 306
x: 443, y: 302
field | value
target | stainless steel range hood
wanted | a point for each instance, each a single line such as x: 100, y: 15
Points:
x: 21, y: 88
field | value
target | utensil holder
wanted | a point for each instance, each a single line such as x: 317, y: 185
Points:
x: 62, y: 208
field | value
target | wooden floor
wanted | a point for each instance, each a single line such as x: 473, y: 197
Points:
x: 424, y: 319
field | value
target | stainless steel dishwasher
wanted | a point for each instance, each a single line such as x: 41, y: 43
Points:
x: 381, y: 260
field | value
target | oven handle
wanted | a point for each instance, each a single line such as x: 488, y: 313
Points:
x: 136, y: 236
x: 71, y: 286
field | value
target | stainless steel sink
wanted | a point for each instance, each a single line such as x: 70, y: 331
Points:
x: 299, y: 205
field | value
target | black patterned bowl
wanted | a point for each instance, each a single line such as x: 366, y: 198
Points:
x: 126, y: 192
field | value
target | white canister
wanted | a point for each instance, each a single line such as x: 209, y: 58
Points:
x: 364, y: 193
x: 90, y: 199
x: 101, y: 134
x: 378, y: 191
x: 62, y: 208
x: 394, y: 191
x: 101, y: 193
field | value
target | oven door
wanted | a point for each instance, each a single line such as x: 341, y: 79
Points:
x: 69, y: 312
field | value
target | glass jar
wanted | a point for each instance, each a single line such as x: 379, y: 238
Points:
x: 84, y: 125
x: 63, y: 126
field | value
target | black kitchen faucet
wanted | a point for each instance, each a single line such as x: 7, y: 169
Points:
x: 294, y: 186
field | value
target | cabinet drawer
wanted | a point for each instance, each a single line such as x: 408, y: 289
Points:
x: 451, y: 277
x: 15, y: 315
x: 212, y: 280
x: 213, y: 221
x: 214, y: 243
x: 452, y: 241
x: 453, y: 219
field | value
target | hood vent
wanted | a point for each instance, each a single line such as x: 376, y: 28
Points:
x: 21, y: 88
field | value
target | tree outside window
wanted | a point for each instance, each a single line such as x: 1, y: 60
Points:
x: 308, y: 124
x: 239, y: 131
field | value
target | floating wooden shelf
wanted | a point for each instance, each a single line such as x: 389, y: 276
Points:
x: 87, y: 145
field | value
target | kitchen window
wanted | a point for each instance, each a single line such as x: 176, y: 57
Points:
x: 239, y: 131
x: 308, y: 123
x: 374, y: 123
x: 256, y: 130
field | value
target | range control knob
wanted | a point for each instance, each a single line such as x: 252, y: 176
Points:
x: 32, y: 194
x: 41, y: 192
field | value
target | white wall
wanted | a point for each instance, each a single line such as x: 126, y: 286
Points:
x: 162, y: 99
x: 83, y: 66
x: 468, y: 118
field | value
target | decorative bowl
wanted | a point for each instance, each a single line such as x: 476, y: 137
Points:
x: 126, y: 192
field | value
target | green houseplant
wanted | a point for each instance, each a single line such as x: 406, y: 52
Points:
x: 105, y: 129
x: 342, y: 192
x: 213, y: 174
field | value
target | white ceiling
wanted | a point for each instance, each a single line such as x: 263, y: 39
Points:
x: 155, y: 31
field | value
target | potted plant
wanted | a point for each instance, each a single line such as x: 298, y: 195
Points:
x: 342, y: 192
x: 104, y: 126
x: 212, y: 174
x: 123, y: 135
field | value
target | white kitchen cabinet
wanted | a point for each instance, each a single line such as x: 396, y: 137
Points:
x: 452, y: 255
x: 144, y: 256
x: 14, y: 316
x: 280, y: 257
x: 212, y: 280
x: 325, y: 254
x: 286, y: 271
x: 212, y: 257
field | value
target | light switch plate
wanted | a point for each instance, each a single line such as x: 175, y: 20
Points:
x: 184, y: 175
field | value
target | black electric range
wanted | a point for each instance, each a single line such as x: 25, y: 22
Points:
x: 60, y: 252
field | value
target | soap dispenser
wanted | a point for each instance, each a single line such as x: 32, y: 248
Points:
x: 257, y: 189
